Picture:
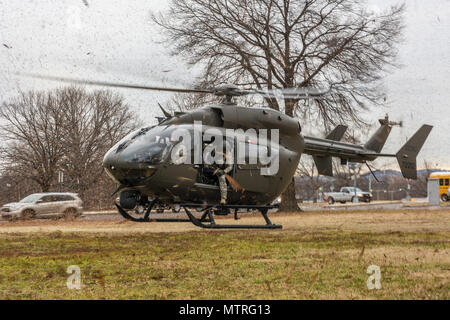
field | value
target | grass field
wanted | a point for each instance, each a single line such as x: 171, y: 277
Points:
x: 316, y: 256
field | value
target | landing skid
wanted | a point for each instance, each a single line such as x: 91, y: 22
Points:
x: 207, y: 220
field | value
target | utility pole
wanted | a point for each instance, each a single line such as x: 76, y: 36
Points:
x: 408, y: 191
x: 353, y: 166
x: 60, y: 179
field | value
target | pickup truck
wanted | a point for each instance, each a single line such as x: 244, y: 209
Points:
x: 347, y: 194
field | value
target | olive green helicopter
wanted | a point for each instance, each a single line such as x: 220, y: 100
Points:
x: 165, y: 164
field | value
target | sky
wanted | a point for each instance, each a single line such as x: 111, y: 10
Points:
x: 115, y: 40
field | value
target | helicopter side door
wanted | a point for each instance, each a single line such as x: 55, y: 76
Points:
x: 248, y: 174
x: 206, y: 173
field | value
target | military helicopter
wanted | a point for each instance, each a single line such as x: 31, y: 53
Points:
x: 147, y: 175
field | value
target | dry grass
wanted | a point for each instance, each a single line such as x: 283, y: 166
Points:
x: 315, y: 256
x: 383, y: 221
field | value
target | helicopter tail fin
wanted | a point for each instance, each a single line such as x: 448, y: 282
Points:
x: 324, y: 164
x: 337, y: 134
x: 377, y: 141
x: 407, y: 155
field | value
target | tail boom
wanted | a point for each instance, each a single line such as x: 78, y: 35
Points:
x: 323, y: 149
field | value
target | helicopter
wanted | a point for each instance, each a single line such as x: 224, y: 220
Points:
x: 156, y: 165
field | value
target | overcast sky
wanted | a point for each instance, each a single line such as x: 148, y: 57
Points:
x: 116, y: 41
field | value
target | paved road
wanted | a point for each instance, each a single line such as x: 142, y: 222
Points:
x: 113, y: 215
x: 406, y: 220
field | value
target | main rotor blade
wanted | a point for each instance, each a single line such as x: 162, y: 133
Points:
x: 232, y: 91
x: 117, y: 85
x: 292, y: 93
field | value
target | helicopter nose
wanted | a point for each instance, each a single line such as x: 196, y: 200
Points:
x: 116, y: 161
x: 110, y: 159
x: 125, y: 171
x: 111, y: 163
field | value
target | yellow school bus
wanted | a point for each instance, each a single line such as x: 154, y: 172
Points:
x: 444, y: 183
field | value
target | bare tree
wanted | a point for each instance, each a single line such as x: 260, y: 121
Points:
x: 13, y: 188
x: 65, y: 130
x: 307, y: 169
x: 31, y: 128
x: 285, y: 44
x: 94, y: 122
x: 189, y: 101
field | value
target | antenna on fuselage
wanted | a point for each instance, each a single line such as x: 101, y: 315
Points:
x: 166, y: 114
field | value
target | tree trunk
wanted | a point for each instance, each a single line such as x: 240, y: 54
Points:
x: 289, y: 105
x: 45, y: 186
x: 288, y: 200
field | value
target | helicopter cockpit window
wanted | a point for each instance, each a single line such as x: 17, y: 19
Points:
x: 125, y: 142
x: 151, y: 146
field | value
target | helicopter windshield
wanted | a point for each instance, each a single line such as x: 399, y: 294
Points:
x: 152, y: 145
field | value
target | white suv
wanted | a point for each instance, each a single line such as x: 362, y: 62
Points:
x: 44, y: 204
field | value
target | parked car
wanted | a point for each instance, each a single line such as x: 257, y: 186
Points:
x: 44, y: 204
x: 347, y: 194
